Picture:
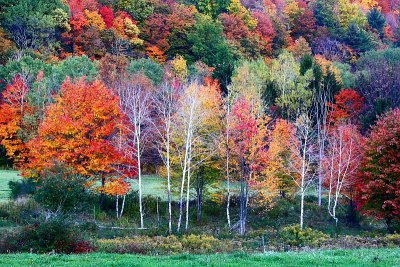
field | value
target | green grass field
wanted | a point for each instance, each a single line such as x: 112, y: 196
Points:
x: 151, y: 185
x: 5, y: 177
x: 363, y: 257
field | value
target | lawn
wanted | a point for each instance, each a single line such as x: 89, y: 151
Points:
x: 152, y: 185
x: 362, y: 257
x: 5, y: 177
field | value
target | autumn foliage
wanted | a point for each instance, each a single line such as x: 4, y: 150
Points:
x: 13, y: 128
x: 80, y: 130
x: 379, y: 179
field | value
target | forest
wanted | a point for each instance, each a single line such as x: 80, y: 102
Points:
x: 235, y: 127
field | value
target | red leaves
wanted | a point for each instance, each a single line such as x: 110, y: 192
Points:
x: 348, y: 103
x: 107, y: 15
x: 379, y: 179
x: 248, y: 131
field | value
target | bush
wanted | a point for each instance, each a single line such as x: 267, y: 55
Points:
x: 21, y: 188
x: 21, y: 210
x: 56, y: 234
x: 140, y: 245
x: 165, y: 245
x: 60, y: 190
x: 293, y: 236
x: 201, y: 243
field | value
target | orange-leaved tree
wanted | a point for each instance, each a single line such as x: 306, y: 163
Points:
x: 80, y: 130
x: 13, y: 108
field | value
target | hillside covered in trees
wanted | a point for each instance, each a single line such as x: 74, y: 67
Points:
x: 269, y: 124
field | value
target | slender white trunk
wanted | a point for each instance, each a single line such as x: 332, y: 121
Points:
x: 182, y: 186
x: 302, y: 209
x: 228, y: 191
x: 123, y: 206
x: 138, y: 157
x: 188, y: 187
x: 116, y: 206
x: 186, y: 161
x: 169, y: 181
x: 302, y: 187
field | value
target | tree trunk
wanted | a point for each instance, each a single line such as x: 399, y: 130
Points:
x: 302, y: 209
x: 228, y: 191
x: 199, y: 194
x: 242, y: 200
x: 169, y: 189
x: 140, y: 183
x: 116, y: 206
x: 123, y: 206
x: 188, y: 189
x: 181, y: 192
x: 103, y: 181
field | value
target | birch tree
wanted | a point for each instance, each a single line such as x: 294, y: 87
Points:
x: 137, y: 105
x: 344, y: 152
x: 303, y: 151
x: 193, y: 134
x: 165, y: 105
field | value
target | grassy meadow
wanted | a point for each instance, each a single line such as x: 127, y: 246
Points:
x: 362, y: 257
x: 5, y: 177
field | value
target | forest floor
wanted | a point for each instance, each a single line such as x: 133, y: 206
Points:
x: 358, y: 257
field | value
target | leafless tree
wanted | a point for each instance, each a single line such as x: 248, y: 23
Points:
x: 165, y: 106
x: 136, y: 99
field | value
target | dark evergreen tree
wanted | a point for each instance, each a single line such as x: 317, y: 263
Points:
x: 376, y: 20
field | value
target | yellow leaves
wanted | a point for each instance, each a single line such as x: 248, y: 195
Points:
x: 236, y: 8
x: 179, y: 67
x: 126, y: 28
x: 61, y: 19
x: 350, y: 13
x: 117, y: 187
x: 368, y: 4
x: 94, y: 19
x: 327, y: 66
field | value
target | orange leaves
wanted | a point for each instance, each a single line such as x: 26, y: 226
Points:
x: 116, y: 187
x: 155, y: 53
x: 79, y: 130
x: 13, y: 108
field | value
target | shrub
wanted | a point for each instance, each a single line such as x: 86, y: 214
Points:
x: 56, y: 234
x: 21, y: 210
x: 60, y: 190
x: 140, y: 245
x: 293, y: 236
x: 200, y: 243
x: 165, y: 245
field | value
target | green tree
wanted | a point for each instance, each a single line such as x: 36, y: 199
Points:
x: 210, y: 47
x: 324, y: 13
x: 72, y: 67
x: 292, y: 88
x: 376, y: 20
x: 138, y: 9
x: 26, y: 65
x: 250, y: 78
x: 148, y: 67
x: 33, y: 24
x: 358, y: 39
